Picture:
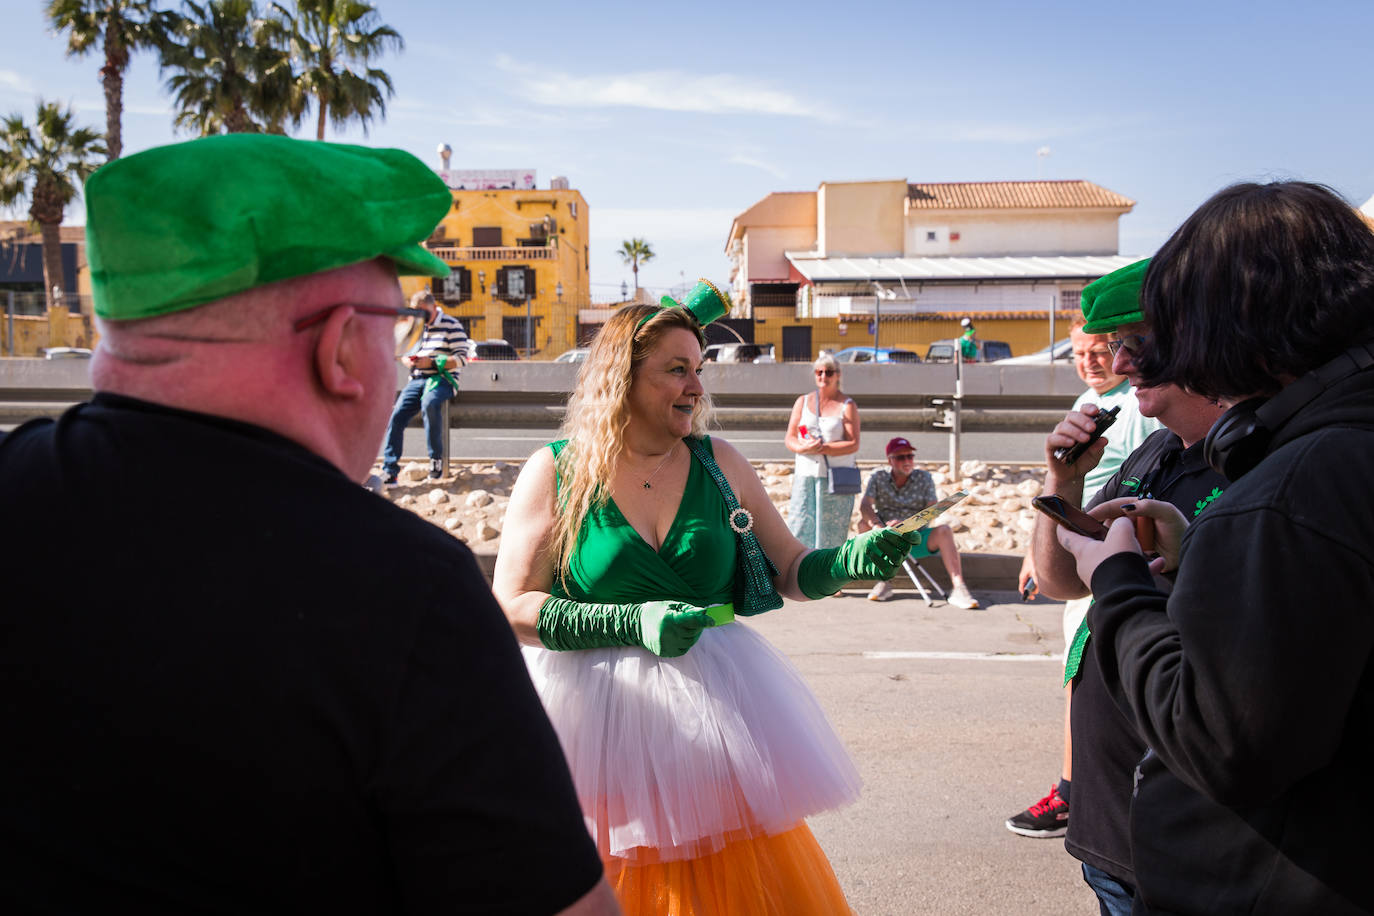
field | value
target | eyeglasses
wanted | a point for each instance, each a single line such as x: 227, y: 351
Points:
x: 314, y: 318
x: 905, y: 456
x: 1134, y: 344
x: 825, y: 372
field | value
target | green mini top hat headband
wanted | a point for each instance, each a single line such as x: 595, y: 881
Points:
x: 704, y: 303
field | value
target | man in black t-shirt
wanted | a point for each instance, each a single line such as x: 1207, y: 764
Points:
x: 214, y: 696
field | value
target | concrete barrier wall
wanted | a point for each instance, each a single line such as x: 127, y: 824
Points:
x: 519, y: 394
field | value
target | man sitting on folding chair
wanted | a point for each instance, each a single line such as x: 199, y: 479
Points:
x: 895, y: 492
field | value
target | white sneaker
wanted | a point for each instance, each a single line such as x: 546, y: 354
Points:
x: 959, y: 597
x: 880, y: 592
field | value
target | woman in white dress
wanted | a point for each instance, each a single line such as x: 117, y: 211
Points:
x: 824, y: 433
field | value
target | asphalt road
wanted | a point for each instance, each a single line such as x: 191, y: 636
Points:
x: 954, y: 719
x: 468, y: 444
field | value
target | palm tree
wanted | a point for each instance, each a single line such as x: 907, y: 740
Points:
x: 232, y: 74
x: 125, y: 26
x: 46, y: 164
x: 636, y: 252
x: 326, y: 37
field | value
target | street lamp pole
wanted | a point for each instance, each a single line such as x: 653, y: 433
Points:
x: 877, y: 316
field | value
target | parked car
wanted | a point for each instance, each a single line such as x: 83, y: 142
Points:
x: 879, y: 355
x: 738, y: 353
x: 1059, y: 351
x: 575, y: 355
x: 490, y: 349
x: 989, y: 351
x: 66, y: 353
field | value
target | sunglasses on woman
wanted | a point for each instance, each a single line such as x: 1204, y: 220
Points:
x: 825, y: 372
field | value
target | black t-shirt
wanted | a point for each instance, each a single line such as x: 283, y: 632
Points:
x: 1106, y: 748
x: 232, y: 680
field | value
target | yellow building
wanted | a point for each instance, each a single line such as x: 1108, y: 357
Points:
x: 519, y: 257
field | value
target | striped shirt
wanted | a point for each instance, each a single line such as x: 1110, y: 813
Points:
x: 444, y: 337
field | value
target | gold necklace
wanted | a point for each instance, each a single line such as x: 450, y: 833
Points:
x: 660, y: 465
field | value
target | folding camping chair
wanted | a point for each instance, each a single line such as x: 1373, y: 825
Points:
x: 914, y: 569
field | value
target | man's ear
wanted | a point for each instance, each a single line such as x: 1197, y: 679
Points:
x: 335, y: 355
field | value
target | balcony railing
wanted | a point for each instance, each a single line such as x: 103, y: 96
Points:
x: 519, y: 253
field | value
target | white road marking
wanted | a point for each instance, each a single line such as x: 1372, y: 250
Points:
x: 967, y: 656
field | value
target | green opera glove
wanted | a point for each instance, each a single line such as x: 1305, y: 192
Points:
x: 666, y: 628
x: 875, y: 554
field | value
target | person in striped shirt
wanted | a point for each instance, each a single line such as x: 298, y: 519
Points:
x: 435, y: 364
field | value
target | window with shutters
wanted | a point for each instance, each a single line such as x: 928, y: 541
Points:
x: 455, y: 288
x: 515, y: 284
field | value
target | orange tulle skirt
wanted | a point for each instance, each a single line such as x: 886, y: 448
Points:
x: 785, y: 874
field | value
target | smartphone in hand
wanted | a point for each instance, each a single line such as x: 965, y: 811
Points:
x: 1071, y: 517
x: 1101, y: 420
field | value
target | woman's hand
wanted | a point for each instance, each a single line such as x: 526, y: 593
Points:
x: 1088, y: 554
x: 1164, y: 523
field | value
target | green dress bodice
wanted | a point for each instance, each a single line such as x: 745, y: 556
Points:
x: 695, y: 564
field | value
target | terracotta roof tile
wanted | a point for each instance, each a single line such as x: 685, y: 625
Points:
x: 1013, y: 195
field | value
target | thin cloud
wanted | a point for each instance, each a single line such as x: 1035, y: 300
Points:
x: 741, y: 159
x: 162, y: 110
x: 11, y: 81
x: 663, y: 90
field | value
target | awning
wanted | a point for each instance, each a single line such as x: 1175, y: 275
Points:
x: 955, y: 270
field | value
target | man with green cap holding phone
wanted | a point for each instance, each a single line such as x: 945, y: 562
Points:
x: 225, y: 704
x: 1169, y: 466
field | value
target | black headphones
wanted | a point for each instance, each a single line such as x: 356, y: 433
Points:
x: 1239, y: 439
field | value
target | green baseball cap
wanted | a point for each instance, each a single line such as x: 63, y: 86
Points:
x: 1114, y: 300
x: 178, y: 226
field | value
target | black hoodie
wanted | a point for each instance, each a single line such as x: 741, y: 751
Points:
x: 1252, y: 683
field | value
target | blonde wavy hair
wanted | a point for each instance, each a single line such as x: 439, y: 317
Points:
x: 598, y: 413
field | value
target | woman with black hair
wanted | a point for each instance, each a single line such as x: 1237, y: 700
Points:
x: 1252, y: 682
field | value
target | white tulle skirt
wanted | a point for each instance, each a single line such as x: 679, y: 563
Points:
x: 672, y: 757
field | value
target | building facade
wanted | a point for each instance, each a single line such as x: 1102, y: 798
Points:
x: 520, y: 260
x: 905, y: 261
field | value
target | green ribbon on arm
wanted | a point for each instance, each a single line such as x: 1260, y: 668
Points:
x: 440, y: 372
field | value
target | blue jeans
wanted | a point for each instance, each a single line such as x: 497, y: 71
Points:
x: 1113, y: 897
x: 412, y: 400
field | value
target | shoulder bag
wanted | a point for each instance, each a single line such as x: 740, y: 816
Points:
x: 844, y: 481
x: 754, y: 591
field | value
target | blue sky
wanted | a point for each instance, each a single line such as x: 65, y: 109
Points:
x: 672, y: 119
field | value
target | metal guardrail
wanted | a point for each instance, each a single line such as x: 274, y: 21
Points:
x: 532, y: 394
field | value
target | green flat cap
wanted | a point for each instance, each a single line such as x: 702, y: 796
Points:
x: 1114, y: 300
x: 178, y: 226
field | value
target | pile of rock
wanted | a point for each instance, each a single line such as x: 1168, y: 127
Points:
x: 471, y: 502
